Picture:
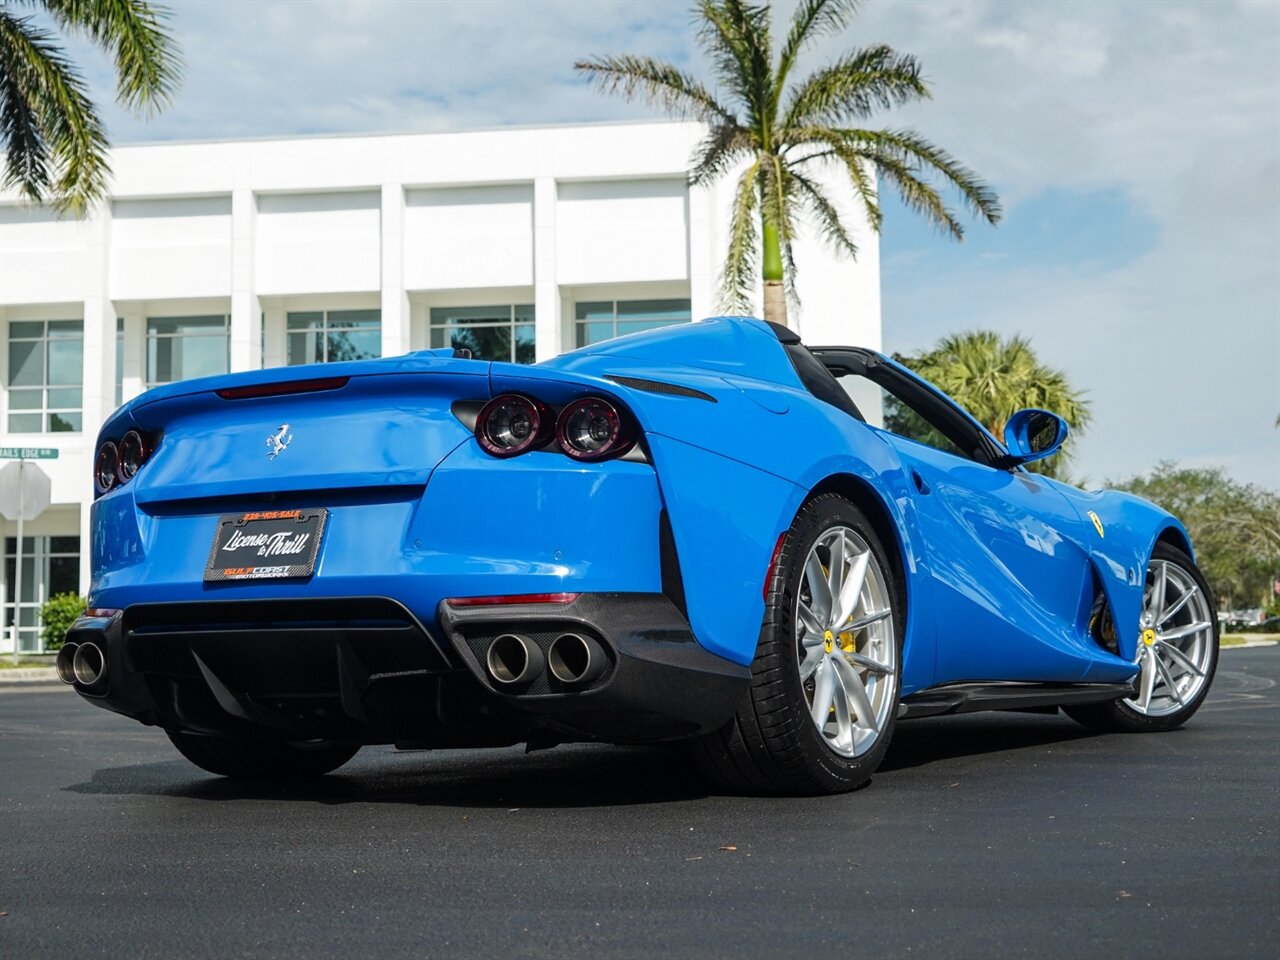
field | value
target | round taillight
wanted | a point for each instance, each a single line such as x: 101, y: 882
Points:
x: 511, y: 424
x: 132, y: 453
x: 593, y: 429
x: 104, y: 468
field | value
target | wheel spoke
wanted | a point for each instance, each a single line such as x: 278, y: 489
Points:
x: 850, y: 590
x: 844, y: 722
x: 809, y: 620
x: 819, y: 590
x: 824, y: 688
x: 836, y: 576
x: 1185, y: 631
x: 1182, y: 659
x: 1147, y: 680
x: 857, y: 693
x: 1167, y: 678
x: 1158, y: 590
x: 1177, y: 604
x: 812, y: 658
x: 867, y: 621
x: 861, y: 660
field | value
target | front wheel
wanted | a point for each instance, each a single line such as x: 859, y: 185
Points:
x: 823, y: 697
x: 246, y: 759
x: 1177, y: 651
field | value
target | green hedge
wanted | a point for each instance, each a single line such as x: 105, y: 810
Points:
x: 56, y: 617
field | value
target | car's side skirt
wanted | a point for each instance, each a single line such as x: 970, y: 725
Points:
x: 975, y: 697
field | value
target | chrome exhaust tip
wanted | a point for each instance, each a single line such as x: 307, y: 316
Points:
x: 65, y: 662
x: 575, y: 660
x: 514, y: 660
x: 89, y: 664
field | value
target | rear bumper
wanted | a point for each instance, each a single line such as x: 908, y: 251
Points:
x: 366, y: 669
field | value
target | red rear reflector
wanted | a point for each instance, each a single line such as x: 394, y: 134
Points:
x: 283, y: 389
x: 514, y: 598
x: 773, y: 562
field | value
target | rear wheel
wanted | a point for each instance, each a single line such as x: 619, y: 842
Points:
x: 1177, y: 651
x: 823, y: 697
x: 247, y: 759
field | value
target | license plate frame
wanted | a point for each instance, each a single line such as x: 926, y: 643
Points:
x: 239, y: 540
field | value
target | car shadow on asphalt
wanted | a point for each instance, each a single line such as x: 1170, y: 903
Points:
x: 578, y: 776
x: 934, y: 740
x: 584, y: 775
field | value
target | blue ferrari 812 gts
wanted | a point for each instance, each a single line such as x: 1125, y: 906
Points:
x: 708, y: 534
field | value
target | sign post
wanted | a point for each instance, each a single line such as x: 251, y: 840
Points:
x: 24, y: 495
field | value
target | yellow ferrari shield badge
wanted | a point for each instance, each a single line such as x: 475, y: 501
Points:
x: 1097, y: 524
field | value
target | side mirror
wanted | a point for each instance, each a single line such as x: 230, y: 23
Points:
x: 1033, y: 435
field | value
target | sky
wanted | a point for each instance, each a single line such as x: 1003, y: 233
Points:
x: 1135, y: 145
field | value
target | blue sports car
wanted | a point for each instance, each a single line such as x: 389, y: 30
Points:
x: 707, y: 533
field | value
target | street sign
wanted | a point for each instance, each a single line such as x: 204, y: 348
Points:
x: 29, y: 453
x: 24, y: 491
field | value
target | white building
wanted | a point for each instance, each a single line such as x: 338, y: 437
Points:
x: 234, y: 255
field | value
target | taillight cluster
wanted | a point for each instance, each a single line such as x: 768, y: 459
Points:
x: 587, y: 429
x: 119, y: 463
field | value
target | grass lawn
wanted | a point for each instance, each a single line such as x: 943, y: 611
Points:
x: 6, y: 662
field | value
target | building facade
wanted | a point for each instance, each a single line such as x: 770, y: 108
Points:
x: 518, y: 243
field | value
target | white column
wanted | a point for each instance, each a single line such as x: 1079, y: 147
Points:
x: 546, y: 288
x: 99, y: 366
x: 246, y: 312
x: 395, y: 302
x: 134, y: 375
x: 274, y: 352
x: 703, y: 277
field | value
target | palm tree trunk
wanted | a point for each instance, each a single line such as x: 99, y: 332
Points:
x: 775, y: 296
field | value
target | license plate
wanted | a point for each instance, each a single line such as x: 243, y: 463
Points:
x: 266, y: 545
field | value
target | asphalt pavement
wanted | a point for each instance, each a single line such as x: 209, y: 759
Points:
x: 997, y: 835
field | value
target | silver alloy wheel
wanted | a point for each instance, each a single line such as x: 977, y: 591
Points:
x: 1175, y: 646
x: 845, y: 642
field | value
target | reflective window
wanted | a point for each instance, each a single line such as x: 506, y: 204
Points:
x: 46, y: 369
x: 119, y: 360
x: 606, y: 319
x: 50, y: 565
x: 180, y: 348
x: 490, y: 333
x: 329, y: 336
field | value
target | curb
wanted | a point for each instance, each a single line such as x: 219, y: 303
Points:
x: 30, y: 675
x: 1250, y: 642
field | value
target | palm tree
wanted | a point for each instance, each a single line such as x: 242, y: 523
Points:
x: 786, y: 134
x: 993, y: 378
x: 54, y: 142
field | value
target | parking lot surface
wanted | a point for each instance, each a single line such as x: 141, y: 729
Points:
x: 1011, y: 835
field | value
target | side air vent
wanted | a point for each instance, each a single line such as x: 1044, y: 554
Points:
x: 657, y: 386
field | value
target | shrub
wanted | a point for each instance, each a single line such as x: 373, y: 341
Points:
x: 56, y: 617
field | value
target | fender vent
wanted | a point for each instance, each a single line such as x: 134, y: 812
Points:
x: 657, y: 386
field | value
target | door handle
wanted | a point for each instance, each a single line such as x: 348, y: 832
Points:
x: 919, y: 482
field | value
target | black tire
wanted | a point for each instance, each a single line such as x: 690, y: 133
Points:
x: 772, y: 746
x: 1117, y: 716
x: 245, y: 759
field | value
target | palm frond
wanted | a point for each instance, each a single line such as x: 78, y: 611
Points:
x: 134, y: 32
x: 833, y: 146
x: 662, y: 84
x: 825, y: 215
x: 908, y: 146
x: 735, y: 35
x: 854, y: 86
x: 741, y: 264
x: 812, y: 19
x: 723, y: 145
x: 50, y: 119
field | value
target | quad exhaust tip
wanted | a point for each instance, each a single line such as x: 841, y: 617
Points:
x: 88, y: 664
x: 514, y: 660
x: 65, y: 663
x: 575, y: 660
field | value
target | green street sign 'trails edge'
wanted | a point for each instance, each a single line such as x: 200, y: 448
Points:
x: 29, y: 453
